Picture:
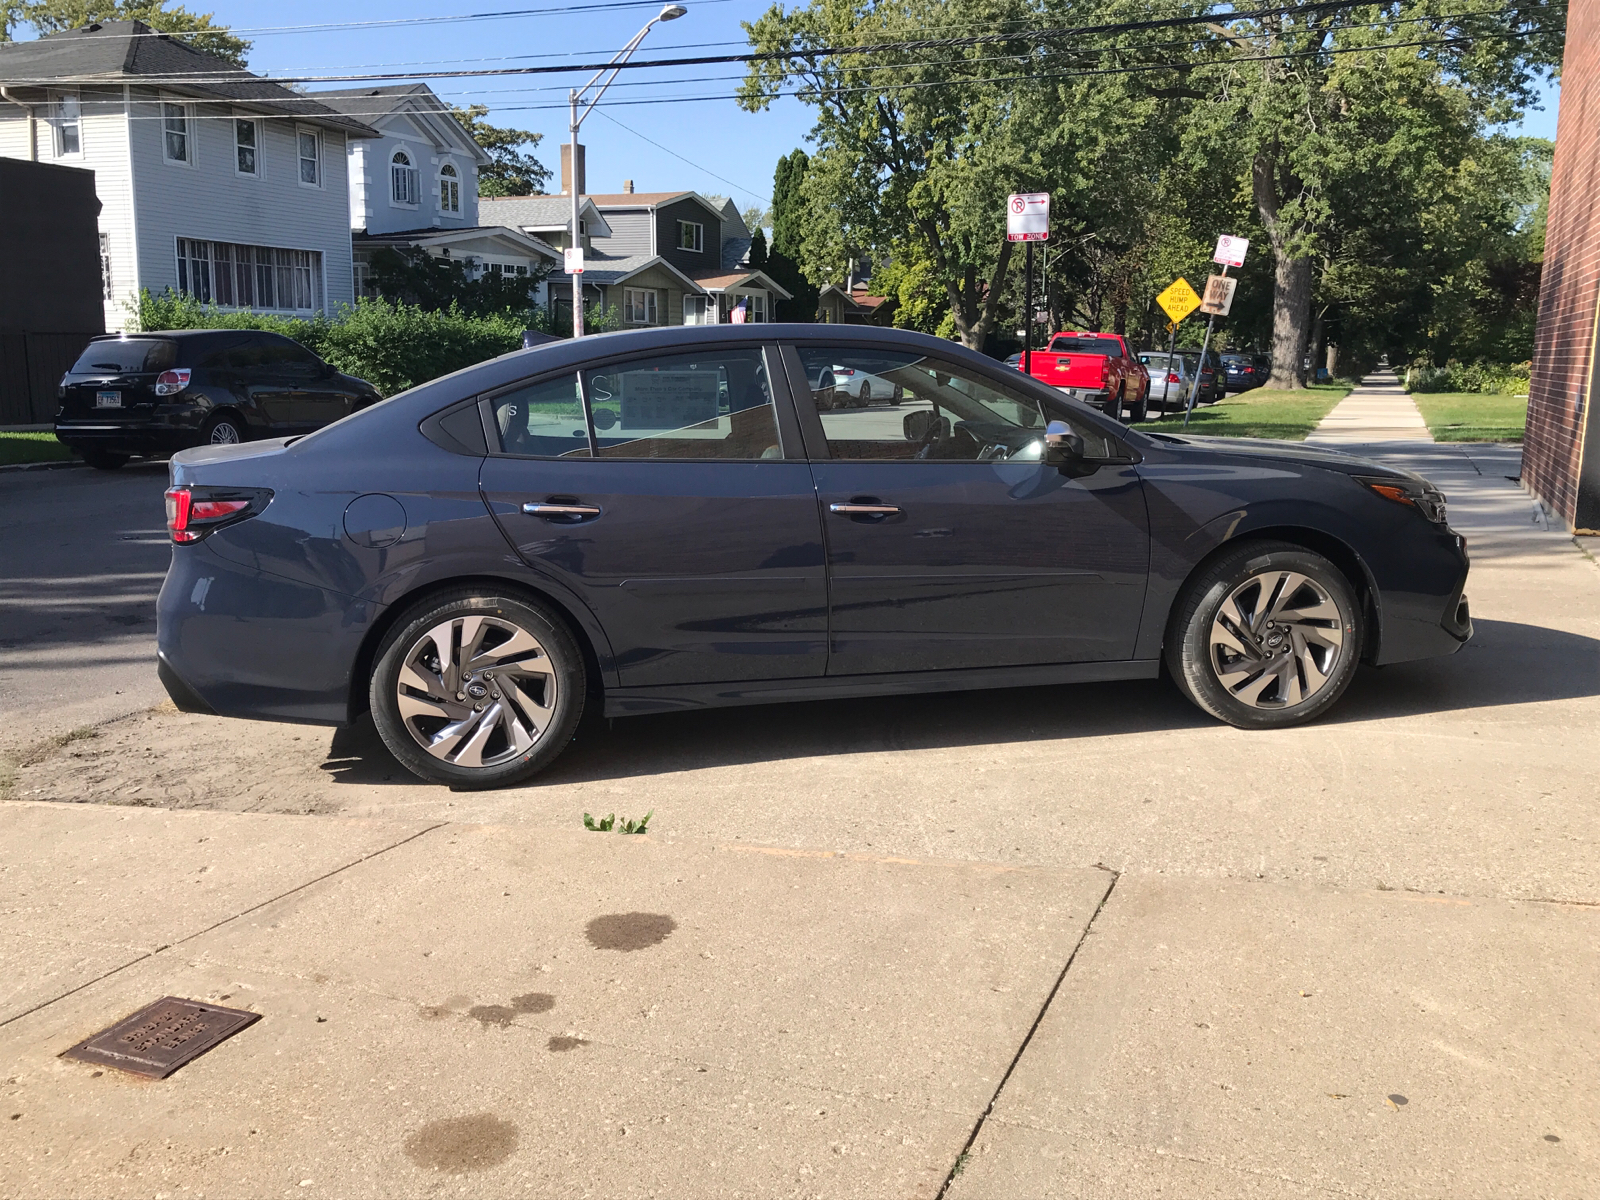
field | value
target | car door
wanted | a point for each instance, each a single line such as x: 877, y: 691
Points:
x: 950, y: 543
x: 670, y: 493
x: 313, y: 393
x: 260, y: 379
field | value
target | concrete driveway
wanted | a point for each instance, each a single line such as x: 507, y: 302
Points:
x: 1046, y: 942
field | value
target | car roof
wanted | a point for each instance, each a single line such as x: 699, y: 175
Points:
x: 570, y: 354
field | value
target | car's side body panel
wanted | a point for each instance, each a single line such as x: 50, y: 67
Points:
x: 710, y: 584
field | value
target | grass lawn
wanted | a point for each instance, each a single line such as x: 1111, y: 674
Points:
x: 1259, y: 413
x: 31, y: 448
x: 1472, y: 416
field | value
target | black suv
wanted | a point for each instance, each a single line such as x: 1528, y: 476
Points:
x: 156, y: 393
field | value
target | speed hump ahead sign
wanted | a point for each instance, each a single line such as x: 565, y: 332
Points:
x: 1179, y: 300
x: 1028, y: 217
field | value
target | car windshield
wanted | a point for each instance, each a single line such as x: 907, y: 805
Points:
x: 1083, y: 345
x: 125, y: 356
x: 1162, y: 361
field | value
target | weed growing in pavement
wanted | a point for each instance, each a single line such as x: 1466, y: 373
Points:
x: 609, y: 822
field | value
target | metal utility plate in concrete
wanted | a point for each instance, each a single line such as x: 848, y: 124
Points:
x: 161, y: 1037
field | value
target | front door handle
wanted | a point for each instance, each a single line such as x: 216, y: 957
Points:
x: 864, y: 510
x: 561, y: 510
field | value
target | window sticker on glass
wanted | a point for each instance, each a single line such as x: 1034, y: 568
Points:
x: 714, y: 405
x: 661, y: 401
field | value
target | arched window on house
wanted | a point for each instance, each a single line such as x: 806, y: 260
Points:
x: 449, y: 189
x: 403, y: 184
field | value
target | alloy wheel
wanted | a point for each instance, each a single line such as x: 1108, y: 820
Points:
x: 225, y: 433
x: 1276, y: 640
x: 476, y: 691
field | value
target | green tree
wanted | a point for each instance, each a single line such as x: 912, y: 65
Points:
x: 1341, y: 126
x: 755, y: 217
x: 514, y: 171
x: 410, y: 275
x: 788, y: 239
x: 758, y: 248
x: 54, y: 16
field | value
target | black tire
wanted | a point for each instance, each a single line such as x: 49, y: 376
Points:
x: 522, y: 706
x: 225, y: 429
x: 1141, y: 408
x: 1113, y: 404
x: 866, y: 393
x: 1295, y: 649
x: 104, y: 460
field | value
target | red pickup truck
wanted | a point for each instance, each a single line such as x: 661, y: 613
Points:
x: 1097, y: 368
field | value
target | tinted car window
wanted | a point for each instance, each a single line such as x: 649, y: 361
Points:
x: 945, y: 412
x: 543, y: 419
x: 124, y: 356
x: 713, y: 404
x: 1085, y: 345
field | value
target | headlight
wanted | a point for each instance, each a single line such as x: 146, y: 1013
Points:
x: 1419, y: 494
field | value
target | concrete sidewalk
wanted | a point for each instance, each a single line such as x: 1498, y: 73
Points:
x: 1379, y: 410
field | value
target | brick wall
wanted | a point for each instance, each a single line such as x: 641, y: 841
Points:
x: 1559, y: 400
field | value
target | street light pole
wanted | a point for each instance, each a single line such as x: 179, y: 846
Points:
x: 574, y: 98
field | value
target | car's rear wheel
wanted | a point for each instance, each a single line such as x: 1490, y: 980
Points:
x: 477, y: 690
x: 225, y: 430
x: 1268, y: 635
x: 1113, y: 405
x: 1141, y: 408
x: 104, y: 460
x: 866, y: 393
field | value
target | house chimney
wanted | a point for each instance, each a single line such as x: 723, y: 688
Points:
x: 627, y: 186
x: 566, y: 170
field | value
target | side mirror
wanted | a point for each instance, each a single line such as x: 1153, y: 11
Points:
x: 1061, y: 445
x: 329, y: 370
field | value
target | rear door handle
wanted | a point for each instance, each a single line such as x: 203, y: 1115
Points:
x: 864, y: 510
x: 561, y: 510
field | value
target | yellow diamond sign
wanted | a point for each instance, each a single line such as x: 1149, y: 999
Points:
x: 1179, y: 300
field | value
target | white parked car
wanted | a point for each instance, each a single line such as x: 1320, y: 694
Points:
x: 863, y: 387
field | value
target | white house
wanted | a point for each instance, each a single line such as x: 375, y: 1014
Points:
x: 211, y: 180
x: 416, y: 184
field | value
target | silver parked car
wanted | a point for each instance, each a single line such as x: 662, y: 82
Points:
x: 1171, y: 377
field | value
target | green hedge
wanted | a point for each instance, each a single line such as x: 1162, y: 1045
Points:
x: 1500, y: 379
x: 392, y: 346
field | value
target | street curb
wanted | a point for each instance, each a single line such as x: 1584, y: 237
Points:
x: 44, y: 466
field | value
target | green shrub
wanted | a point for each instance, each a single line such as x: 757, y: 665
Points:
x: 392, y: 346
x: 1500, y: 379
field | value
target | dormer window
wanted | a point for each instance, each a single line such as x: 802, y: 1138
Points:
x: 691, y: 236
x: 449, y: 189
x: 403, y: 184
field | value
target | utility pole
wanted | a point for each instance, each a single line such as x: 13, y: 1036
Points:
x: 574, y: 98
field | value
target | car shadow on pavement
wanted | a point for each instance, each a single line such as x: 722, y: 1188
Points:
x: 1505, y: 663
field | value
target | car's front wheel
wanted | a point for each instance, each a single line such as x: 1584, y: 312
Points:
x: 1268, y: 635
x: 477, y: 690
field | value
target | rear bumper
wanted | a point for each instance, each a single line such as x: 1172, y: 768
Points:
x: 167, y: 433
x: 238, y: 642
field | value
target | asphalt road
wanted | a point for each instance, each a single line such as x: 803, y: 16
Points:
x: 82, y: 555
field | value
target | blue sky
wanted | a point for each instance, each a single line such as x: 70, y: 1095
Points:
x: 710, y: 146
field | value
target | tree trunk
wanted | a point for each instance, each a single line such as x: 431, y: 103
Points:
x: 1291, y: 282
x: 1333, y: 360
x: 1119, y: 318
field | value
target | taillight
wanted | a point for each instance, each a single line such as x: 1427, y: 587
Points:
x: 192, y: 514
x: 1172, y: 377
x: 170, y: 383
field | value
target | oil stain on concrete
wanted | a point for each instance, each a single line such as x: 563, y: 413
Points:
x: 630, y: 931
x: 457, y: 1145
x: 560, y: 1045
x: 533, y: 1002
x: 492, y: 1014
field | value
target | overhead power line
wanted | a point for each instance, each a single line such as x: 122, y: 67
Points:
x: 1321, y: 6
x: 806, y: 93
